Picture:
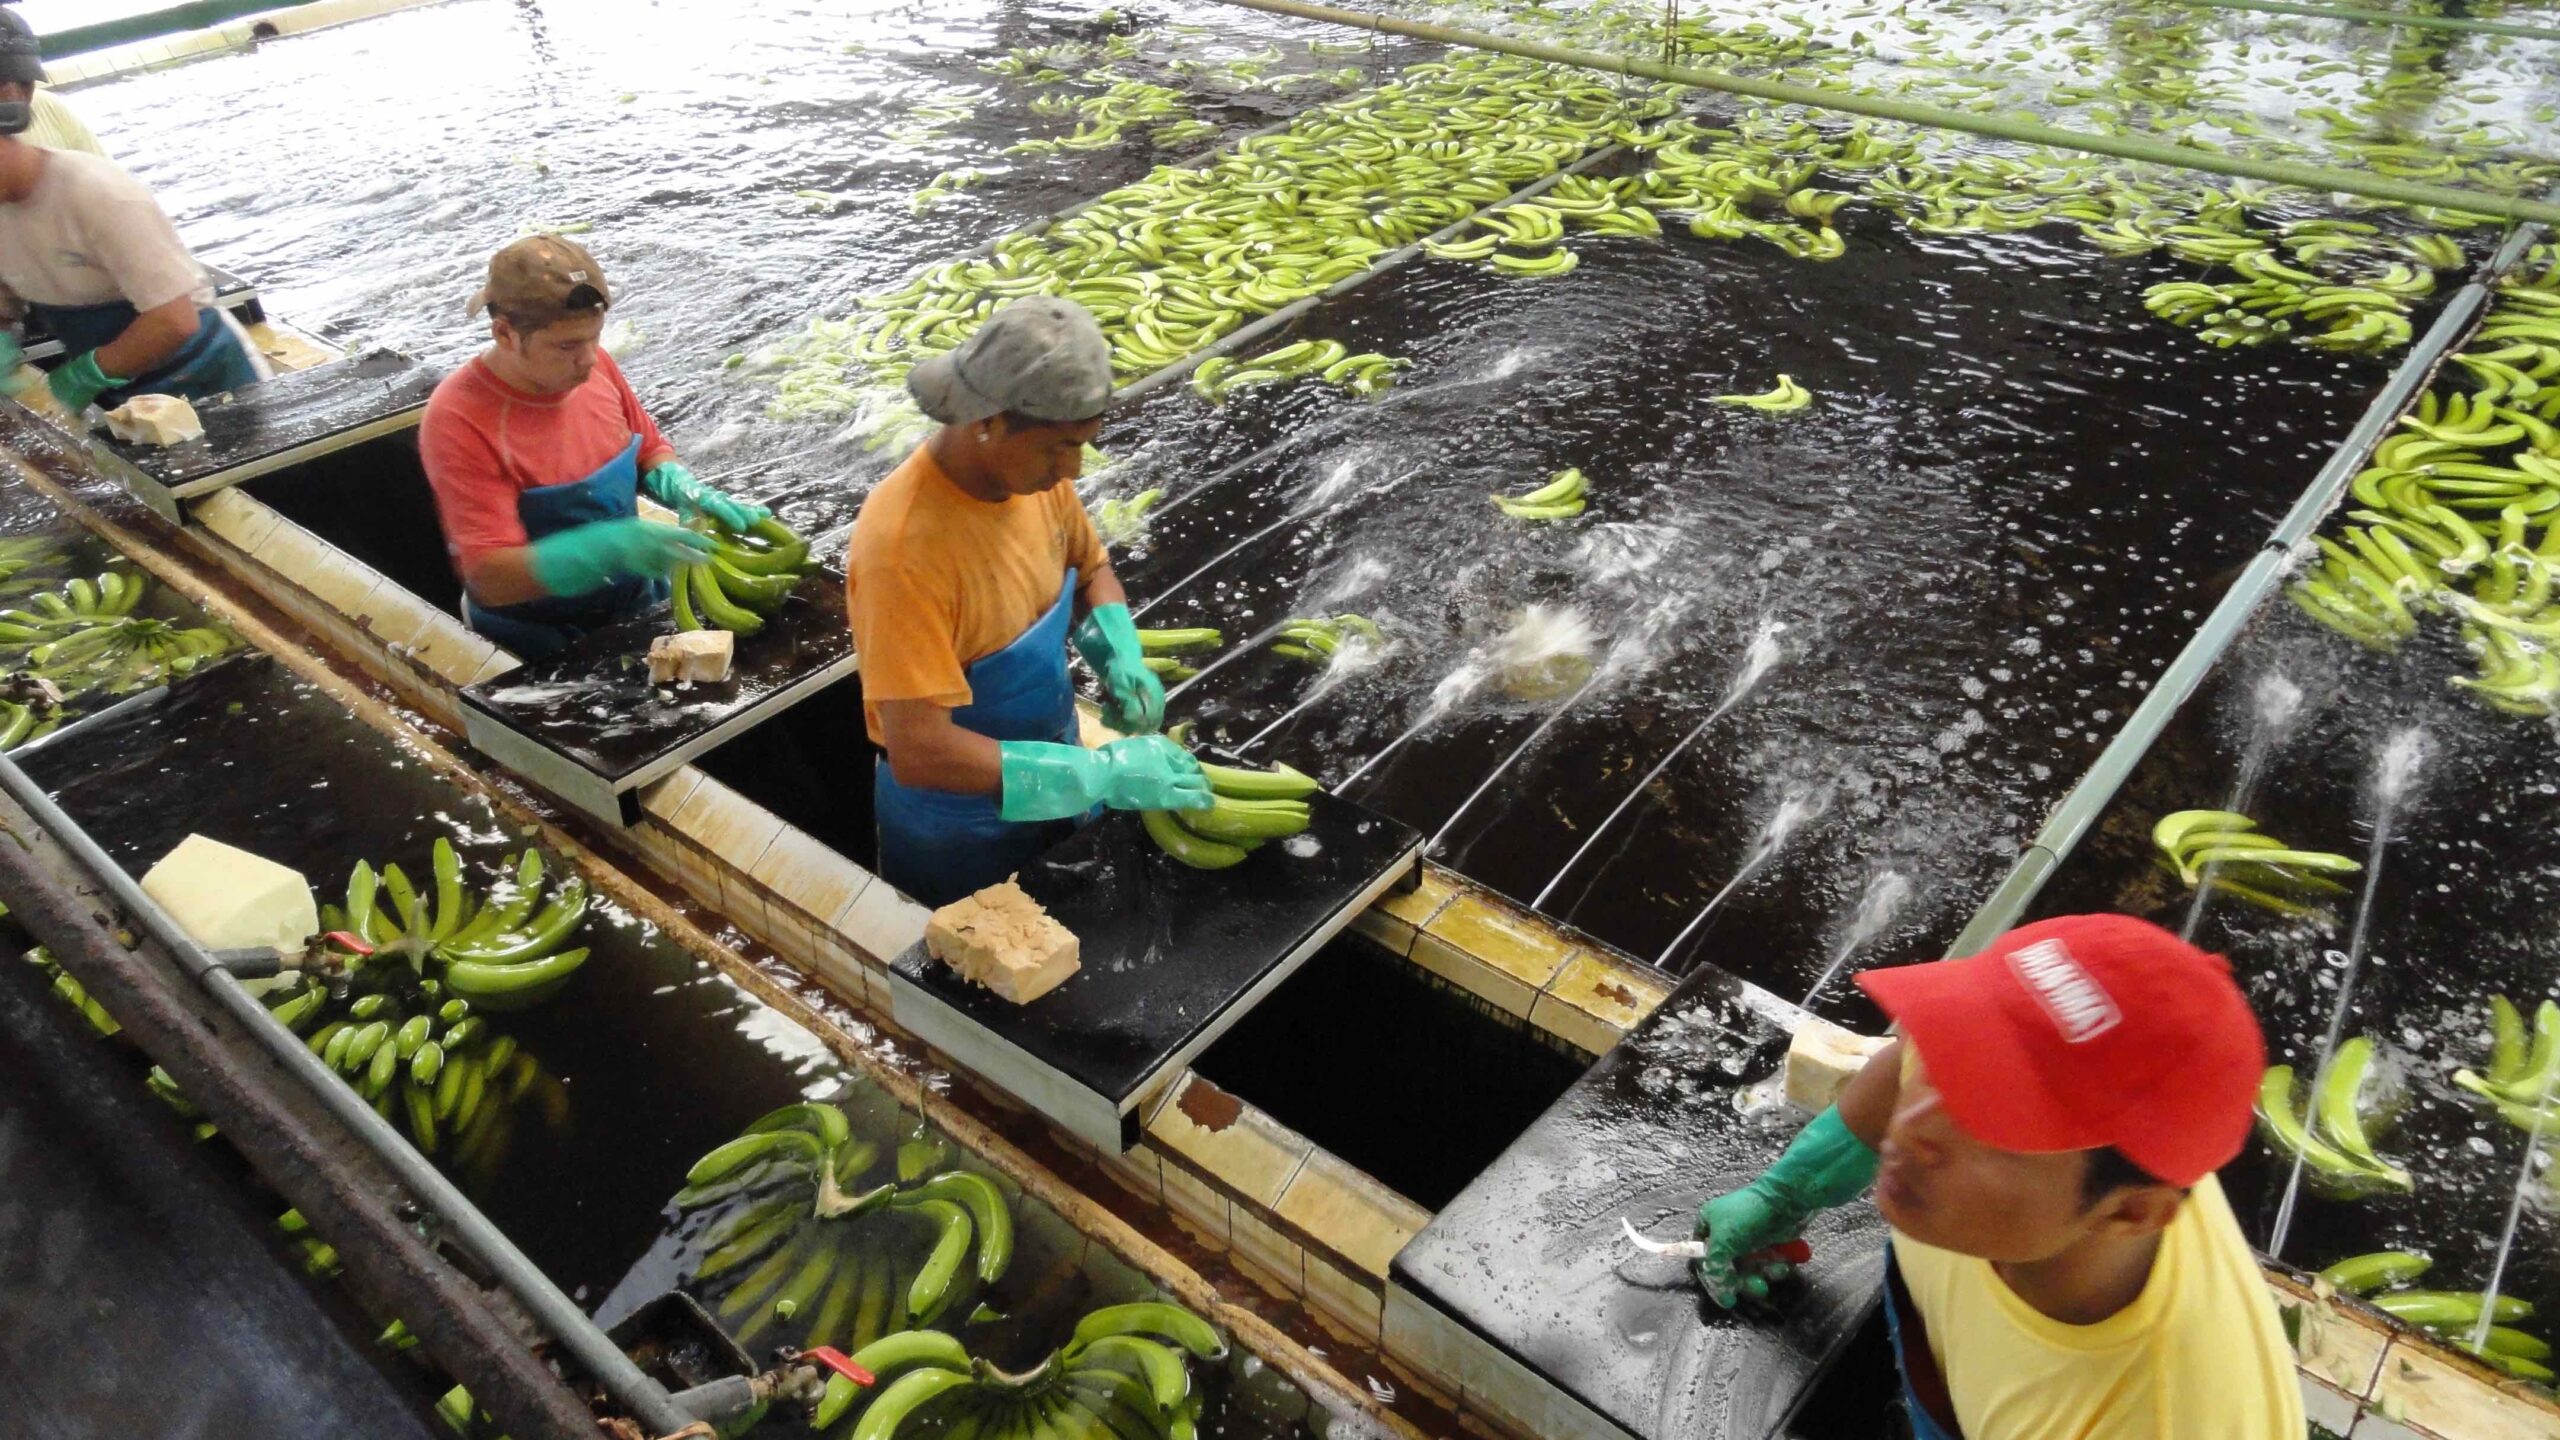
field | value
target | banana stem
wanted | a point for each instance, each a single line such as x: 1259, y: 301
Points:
x: 2029, y: 132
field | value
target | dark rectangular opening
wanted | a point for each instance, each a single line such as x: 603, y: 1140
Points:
x: 811, y: 765
x: 1406, y: 1079
x: 372, y: 501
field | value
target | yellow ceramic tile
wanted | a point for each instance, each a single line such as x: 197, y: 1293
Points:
x: 1472, y: 975
x: 395, y: 616
x: 2428, y: 1391
x: 1342, y: 1302
x: 663, y: 798
x: 1518, y: 945
x: 1521, y: 1403
x: 1260, y: 1244
x: 742, y: 900
x: 1140, y: 1172
x: 2338, y: 1344
x: 447, y: 647
x: 727, y: 825
x: 1612, y: 990
x: 1427, y: 900
x: 235, y: 517
x: 1424, y: 1348
x: 498, y: 662
x: 1196, y: 1206
x: 1351, y: 1214
x: 1583, y: 1031
x: 812, y: 877
x: 1251, y: 1154
x: 293, y: 552
x: 834, y: 961
x: 881, y: 923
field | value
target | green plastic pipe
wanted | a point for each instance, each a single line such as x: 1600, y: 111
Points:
x: 2029, y: 132
x: 196, y: 15
x: 2382, y: 17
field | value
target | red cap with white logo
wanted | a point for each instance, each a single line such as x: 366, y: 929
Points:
x: 2087, y: 1030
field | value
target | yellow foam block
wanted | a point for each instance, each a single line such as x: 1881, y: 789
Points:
x: 228, y: 899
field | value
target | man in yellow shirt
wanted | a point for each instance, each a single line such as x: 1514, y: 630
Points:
x: 968, y: 566
x: 2042, y: 1138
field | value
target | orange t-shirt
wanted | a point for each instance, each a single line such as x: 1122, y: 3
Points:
x: 936, y: 579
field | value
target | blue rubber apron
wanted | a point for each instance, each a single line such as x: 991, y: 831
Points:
x: 1924, y: 1426
x: 937, y: 845
x: 212, y: 361
x: 547, y: 626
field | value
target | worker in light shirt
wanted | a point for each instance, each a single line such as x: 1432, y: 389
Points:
x: 86, y: 251
x: 537, y: 451
x: 969, y: 568
x: 2042, y: 1137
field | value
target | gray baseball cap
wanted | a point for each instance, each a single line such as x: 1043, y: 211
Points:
x: 1039, y: 356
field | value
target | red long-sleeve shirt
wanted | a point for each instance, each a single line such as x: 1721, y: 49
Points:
x: 485, y: 442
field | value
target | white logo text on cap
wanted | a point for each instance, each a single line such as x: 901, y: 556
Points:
x: 2080, y: 1007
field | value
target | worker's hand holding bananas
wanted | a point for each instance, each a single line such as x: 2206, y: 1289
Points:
x: 1132, y: 696
x: 590, y: 557
x: 672, y: 485
x: 1056, y: 782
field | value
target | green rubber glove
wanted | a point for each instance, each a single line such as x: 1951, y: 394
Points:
x: 1132, y: 696
x: 13, y: 355
x: 1054, y: 782
x: 1826, y: 1166
x: 592, y: 556
x: 672, y: 485
x: 77, y: 383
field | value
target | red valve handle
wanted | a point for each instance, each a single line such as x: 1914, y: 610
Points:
x: 836, y: 1360
x: 352, y: 944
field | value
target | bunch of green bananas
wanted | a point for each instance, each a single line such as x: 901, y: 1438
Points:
x: 943, y: 186
x: 495, y: 949
x: 1786, y: 397
x: 806, y: 1245
x: 1165, y: 647
x: 1125, y: 1375
x: 746, y: 579
x: 1218, y: 377
x: 1561, y: 498
x: 2225, y: 849
x: 1120, y: 520
x: 1319, y: 639
x: 2452, y: 1316
x: 2490, y: 452
x: 2336, y: 1149
x: 33, y: 562
x: 425, y: 1057
x: 83, y: 636
x: 25, y: 720
x: 2523, y: 1083
x: 1170, y: 264
x: 1250, y: 807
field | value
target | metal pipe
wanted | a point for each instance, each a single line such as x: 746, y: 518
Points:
x: 387, y: 1251
x: 2028, y: 132
x: 2357, y: 15
x: 2097, y: 788
x: 576, y: 1332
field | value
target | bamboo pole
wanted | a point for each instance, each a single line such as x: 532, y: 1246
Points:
x: 2029, y: 132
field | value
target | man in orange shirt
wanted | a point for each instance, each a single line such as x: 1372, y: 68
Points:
x: 2042, y: 1137
x: 537, y: 451
x: 968, y: 564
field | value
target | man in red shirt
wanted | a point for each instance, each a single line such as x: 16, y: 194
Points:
x: 537, y: 450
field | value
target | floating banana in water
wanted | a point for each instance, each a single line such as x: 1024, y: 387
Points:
x: 1788, y: 396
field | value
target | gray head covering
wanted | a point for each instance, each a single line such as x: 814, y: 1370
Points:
x: 21, y: 54
x: 1039, y: 356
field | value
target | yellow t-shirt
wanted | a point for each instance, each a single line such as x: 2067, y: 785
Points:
x: 936, y: 579
x: 2199, y: 1355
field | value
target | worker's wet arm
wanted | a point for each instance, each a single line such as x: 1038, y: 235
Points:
x: 476, y: 504
x: 153, y: 339
x: 928, y: 750
x: 1866, y: 1102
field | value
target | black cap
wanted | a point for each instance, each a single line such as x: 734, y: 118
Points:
x: 21, y: 55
